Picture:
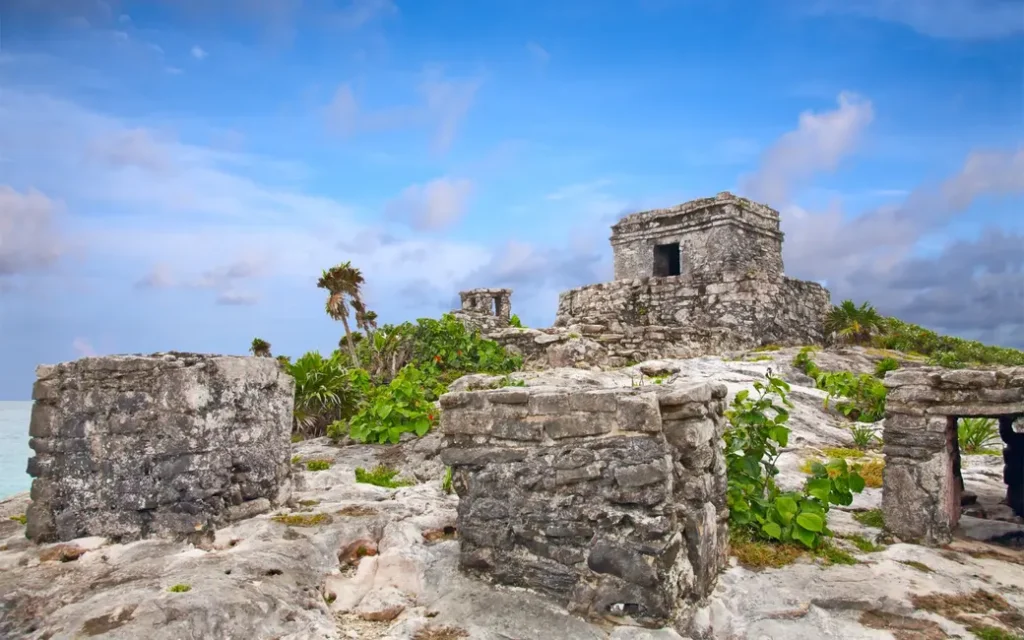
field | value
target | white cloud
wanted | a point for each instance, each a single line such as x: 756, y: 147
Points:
x: 201, y: 221
x: 198, y: 52
x: 174, y: 71
x: 539, y: 53
x: 434, y: 205
x: 30, y: 239
x: 818, y: 144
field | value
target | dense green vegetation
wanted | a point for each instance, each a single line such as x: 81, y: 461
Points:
x: 863, y: 325
x: 382, y: 381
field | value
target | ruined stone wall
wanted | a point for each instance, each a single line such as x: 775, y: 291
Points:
x: 688, y: 316
x: 612, y: 501
x: 170, y: 444
x: 725, y: 234
x: 920, y: 496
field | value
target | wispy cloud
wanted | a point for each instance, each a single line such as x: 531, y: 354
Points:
x: 434, y: 205
x: 818, y: 144
x: 445, y: 103
x: 538, y: 53
x: 198, y: 52
x: 956, y: 19
x: 30, y: 236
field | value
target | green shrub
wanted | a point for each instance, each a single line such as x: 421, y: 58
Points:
x: 885, y: 365
x: 947, y: 359
x: 325, y: 391
x: 754, y: 441
x: 848, y: 322
x: 381, y: 476
x: 858, y: 397
x: 514, y: 321
x: 977, y: 435
x: 318, y: 465
x: 446, y: 345
x: 403, y: 406
x: 911, y: 338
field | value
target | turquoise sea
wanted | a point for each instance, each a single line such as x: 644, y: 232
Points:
x: 14, y: 451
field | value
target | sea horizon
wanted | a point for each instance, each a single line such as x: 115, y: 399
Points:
x: 14, y: 449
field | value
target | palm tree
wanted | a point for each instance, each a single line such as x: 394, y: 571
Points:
x: 855, y: 324
x: 260, y: 348
x: 342, y: 283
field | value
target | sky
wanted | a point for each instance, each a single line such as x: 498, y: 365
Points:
x: 174, y: 175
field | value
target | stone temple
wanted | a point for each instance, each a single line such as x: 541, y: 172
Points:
x: 702, y: 277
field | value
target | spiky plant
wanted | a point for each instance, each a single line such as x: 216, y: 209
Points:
x: 850, y: 323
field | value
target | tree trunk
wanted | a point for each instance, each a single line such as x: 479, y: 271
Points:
x: 351, y: 345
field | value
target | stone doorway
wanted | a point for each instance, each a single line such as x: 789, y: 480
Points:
x: 667, y: 260
x: 923, y: 482
x: 997, y: 439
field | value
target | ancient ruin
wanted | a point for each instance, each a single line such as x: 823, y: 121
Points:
x: 485, y: 309
x: 166, y: 445
x: 922, y: 484
x: 704, y: 277
x: 611, y: 501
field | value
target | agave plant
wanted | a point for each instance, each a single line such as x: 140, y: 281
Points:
x: 851, y: 323
x: 978, y: 435
x: 325, y: 391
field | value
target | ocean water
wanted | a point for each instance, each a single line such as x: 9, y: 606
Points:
x: 14, y: 451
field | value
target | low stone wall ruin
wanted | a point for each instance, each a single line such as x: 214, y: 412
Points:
x: 682, y: 317
x: 169, y: 445
x: 921, y: 485
x: 611, y: 501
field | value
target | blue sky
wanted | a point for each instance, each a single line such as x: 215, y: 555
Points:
x: 174, y: 175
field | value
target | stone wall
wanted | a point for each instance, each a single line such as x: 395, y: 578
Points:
x: 685, y: 316
x: 921, y: 492
x: 611, y: 502
x: 724, y: 234
x: 170, y: 444
x: 485, y: 309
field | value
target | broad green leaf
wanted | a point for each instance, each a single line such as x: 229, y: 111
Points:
x: 811, y: 522
x: 786, y: 505
x: 807, y: 538
x: 856, y: 482
x: 819, y: 488
x: 772, y: 530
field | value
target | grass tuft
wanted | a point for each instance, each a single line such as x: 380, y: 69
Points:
x: 381, y: 476
x: 870, y: 518
x: 318, y: 465
x: 757, y: 555
x: 304, y: 519
x: 180, y: 588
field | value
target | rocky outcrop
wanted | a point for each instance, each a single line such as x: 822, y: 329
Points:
x: 165, y: 445
x: 345, y: 560
x: 611, y: 501
x: 922, y: 490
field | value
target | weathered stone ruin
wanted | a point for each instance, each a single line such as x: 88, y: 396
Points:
x: 922, y: 485
x: 164, y: 445
x: 704, y: 277
x: 485, y: 309
x: 610, y: 501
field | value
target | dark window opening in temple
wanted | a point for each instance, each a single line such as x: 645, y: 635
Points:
x: 666, y: 260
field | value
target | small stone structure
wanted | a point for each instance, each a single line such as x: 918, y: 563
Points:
x: 921, y: 482
x: 168, y: 445
x: 704, y: 277
x: 610, y: 501
x: 485, y: 309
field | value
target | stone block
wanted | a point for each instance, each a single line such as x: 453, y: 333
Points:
x: 131, y: 446
x: 578, y: 425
